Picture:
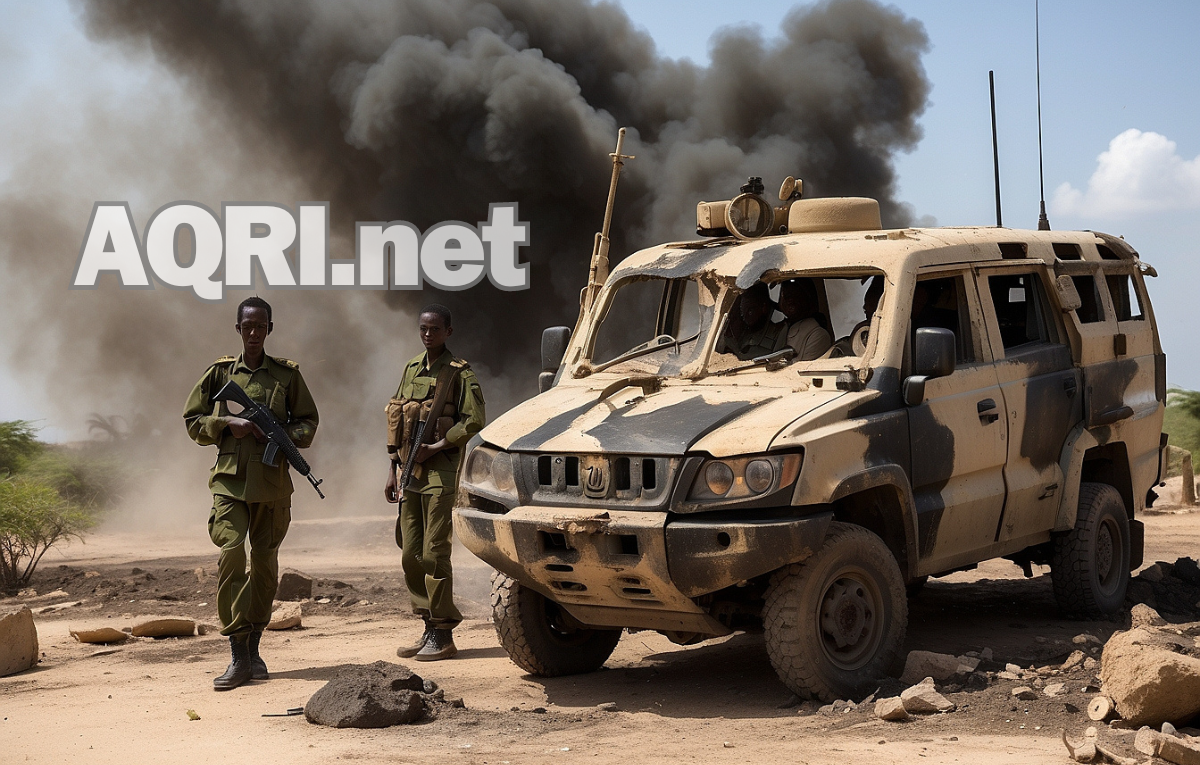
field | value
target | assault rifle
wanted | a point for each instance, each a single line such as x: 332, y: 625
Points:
x: 441, y: 392
x: 277, y: 439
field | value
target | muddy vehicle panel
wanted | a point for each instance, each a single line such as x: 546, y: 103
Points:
x: 980, y: 390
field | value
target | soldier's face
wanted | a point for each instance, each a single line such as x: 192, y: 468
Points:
x: 254, y: 328
x: 433, y: 331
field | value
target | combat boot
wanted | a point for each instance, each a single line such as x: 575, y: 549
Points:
x: 439, y: 646
x: 409, y: 651
x: 238, y: 671
x: 258, y: 667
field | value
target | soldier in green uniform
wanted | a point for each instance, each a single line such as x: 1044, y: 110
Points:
x: 423, y: 528
x: 756, y: 335
x: 250, y: 499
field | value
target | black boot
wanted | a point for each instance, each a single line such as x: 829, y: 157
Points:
x: 239, y: 669
x: 409, y: 651
x: 258, y: 667
x: 439, y: 646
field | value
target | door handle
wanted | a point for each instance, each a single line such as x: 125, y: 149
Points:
x: 987, y: 411
x: 1070, y: 386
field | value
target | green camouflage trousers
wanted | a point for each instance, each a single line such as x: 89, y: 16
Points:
x: 423, y: 532
x: 244, y: 597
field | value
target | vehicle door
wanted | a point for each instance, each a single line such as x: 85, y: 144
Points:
x: 1042, y: 392
x: 958, y: 432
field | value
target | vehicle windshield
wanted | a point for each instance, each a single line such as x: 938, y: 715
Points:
x: 654, y: 326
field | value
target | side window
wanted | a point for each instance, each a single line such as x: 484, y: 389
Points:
x: 1091, y: 310
x: 1126, y: 300
x: 942, y: 303
x: 1022, y: 310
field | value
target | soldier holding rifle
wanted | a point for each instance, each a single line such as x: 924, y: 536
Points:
x: 436, y: 410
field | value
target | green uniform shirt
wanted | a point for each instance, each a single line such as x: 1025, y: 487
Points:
x: 771, y: 337
x: 239, y: 471
x: 417, y: 384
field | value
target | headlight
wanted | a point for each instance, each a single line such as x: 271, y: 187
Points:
x: 502, y: 473
x: 490, y: 471
x: 744, y: 477
x: 480, y: 468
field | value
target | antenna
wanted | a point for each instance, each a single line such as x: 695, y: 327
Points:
x: 995, y: 146
x: 1043, y: 221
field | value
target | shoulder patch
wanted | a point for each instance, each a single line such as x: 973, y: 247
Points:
x: 459, y: 364
x: 286, y: 362
x: 224, y: 360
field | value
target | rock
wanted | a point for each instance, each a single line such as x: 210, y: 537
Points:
x: 99, y: 635
x: 56, y: 607
x: 1006, y: 675
x: 923, y: 698
x: 939, y: 666
x: 1085, y: 639
x: 891, y: 709
x: 1024, y: 693
x: 1151, y: 742
x: 970, y: 662
x: 1100, y: 709
x: 162, y: 627
x: 294, y: 585
x: 1074, y: 660
x: 205, y: 629
x: 284, y: 616
x: 18, y: 640
x: 1014, y: 669
x: 1142, y: 615
x: 1152, y: 573
x: 1055, y: 689
x: 1090, y: 664
x: 986, y: 654
x: 607, y: 706
x: 368, y: 696
x: 1186, y: 570
x: 1147, y: 680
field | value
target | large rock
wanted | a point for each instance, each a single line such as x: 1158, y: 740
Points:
x: 284, y: 616
x: 923, y: 699
x: 294, y: 585
x: 891, y: 709
x: 164, y: 626
x: 18, y: 640
x: 1149, y: 680
x: 939, y: 666
x: 368, y: 696
x: 99, y: 635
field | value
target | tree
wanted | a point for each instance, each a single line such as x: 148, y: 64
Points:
x: 33, y: 517
x: 18, y: 444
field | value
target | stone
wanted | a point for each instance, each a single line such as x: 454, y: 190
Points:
x: 1152, y: 573
x: 18, y: 640
x: 1142, y: 615
x: 284, y: 616
x: 891, y: 709
x: 1086, y: 639
x: 939, y: 666
x: 923, y: 698
x: 1170, y: 748
x: 294, y: 585
x: 970, y: 662
x: 375, y: 695
x: 1147, y: 680
x: 1014, y: 669
x: 163, y: 627
x: 1100, y: 709
x: 1024, y: 693
x: 607, y: 706
x: 1074, y: 660
x: 1055, y: 689
x: 986, y: 654
x: 99, y: 635
x: 1006, y: 675
x: 1186, y: 570
x: 1090, y: 664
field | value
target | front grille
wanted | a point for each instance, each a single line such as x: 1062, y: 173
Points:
x: 596, y: 478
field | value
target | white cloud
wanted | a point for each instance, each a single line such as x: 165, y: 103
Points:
x: 1140, y: 172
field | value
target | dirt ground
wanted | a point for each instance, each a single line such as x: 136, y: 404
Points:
x: 719, y: 702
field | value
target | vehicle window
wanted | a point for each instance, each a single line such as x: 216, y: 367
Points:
x: 942, y: 303
x: 646, y: 314
x: 1021, y: 310
x: 1090, y: 310
x: 1126, y: 301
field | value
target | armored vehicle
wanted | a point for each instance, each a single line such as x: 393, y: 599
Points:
x: 695, y: 469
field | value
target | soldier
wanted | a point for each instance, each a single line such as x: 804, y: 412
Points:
x: 808, y: 332
x: 423, y: 527
x: 250, y: 499
x: 758, y: 335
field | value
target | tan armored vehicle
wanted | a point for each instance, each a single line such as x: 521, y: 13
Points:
x: 696, y: 470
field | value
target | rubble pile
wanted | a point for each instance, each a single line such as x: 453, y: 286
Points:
x: 1169, y: 588
x: 376, y: 695
x: 1152, y: 671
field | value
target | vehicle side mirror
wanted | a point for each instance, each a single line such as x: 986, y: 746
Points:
x: 934, y: 354
x: 554, y: 347
x: 1068, y: 296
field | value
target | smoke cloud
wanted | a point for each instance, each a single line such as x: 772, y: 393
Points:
x: 424, y: 111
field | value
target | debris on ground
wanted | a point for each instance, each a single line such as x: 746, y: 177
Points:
x: 1168, y: 588
x: 1168, y: 746
x: 284, y: 616
x: 891, y: 709
x: 939, y: 666
x: 294, y: 585
x: 1152, y: 674
x: 923, y: 698
x: 375, y: 695
x: 18, y: 640
x: 99, y: 635
x: 164, y: 626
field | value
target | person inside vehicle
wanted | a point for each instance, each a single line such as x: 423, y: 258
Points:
x: 855, y: 344
x: 808, y: 329
x: 758, y: 335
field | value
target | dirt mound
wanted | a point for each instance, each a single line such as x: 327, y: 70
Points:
x: 1169, y: 588
x: 375, y: 695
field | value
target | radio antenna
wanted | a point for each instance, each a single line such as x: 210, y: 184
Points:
x: 1043, y: 221
x: 995, y: 146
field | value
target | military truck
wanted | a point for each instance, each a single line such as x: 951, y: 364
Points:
x: 987, y: 392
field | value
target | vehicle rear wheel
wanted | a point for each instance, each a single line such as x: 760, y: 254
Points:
x: 1090, y: 564
x: 540, y: 637
x: 835, y: 622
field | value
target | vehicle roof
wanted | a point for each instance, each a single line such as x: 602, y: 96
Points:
x: 891, y: 251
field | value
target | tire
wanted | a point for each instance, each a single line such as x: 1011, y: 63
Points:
x: 537, y: 637
x: 851, y: 586
x: 1090, y: 563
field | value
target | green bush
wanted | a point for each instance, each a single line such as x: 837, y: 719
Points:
x: 92, y: 477
x: 18, y: 444
x: 33, y: 517
x: 1181, y: 423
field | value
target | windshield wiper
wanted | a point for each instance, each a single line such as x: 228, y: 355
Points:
x: 653, y: 345
x: 772, y: 361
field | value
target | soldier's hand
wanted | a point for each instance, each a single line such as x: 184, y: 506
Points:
x: 389, y: 489
x: 241, y: 428
x: 428, y: 450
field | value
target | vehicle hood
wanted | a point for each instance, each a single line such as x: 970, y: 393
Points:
x: 730, y: 419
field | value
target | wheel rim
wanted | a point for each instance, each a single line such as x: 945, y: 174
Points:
x: 558, y: 628
x: 1108, y: 569
x: 851, y: 619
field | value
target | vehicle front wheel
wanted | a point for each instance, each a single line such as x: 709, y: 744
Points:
x: 1090, y: 565
x: 835, y: 622
x: 540, y: 637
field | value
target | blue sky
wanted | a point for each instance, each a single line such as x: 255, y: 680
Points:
x: 1120, y: 101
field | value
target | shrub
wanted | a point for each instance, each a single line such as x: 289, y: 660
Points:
x: 18, y: 444
x: 33, y: 517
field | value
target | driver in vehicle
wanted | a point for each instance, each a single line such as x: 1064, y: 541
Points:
x: 808, y: 329
x: 760, y: 336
